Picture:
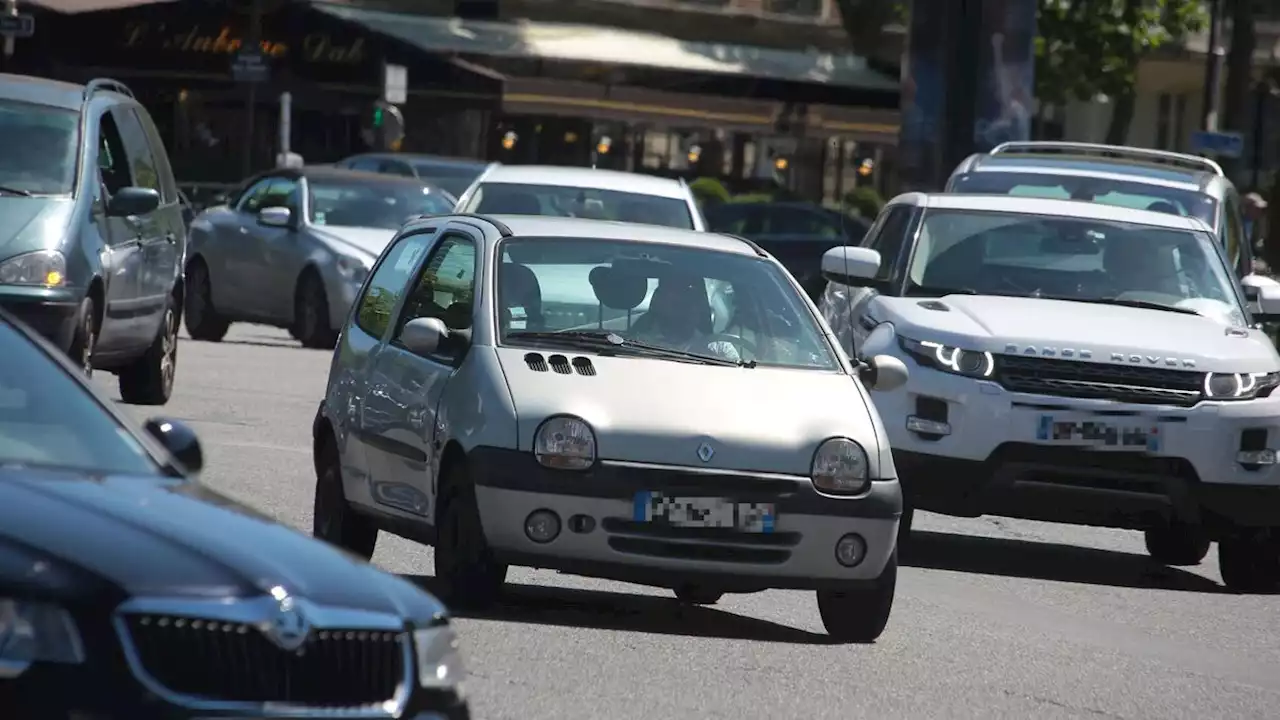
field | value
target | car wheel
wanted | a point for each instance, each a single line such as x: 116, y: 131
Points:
x: 465, y: 565
x: 904, y: 525
x: 698, y: 595
x: 860, y: 615
x: 1177, y: 544
x: 311, y: 315
x: 149, y: 379
x: 1250, y: 564
x: 203, y: 320
x: 85, y: 338
x: 332, y: 519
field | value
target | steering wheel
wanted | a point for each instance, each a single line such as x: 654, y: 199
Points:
x: 739, y: 342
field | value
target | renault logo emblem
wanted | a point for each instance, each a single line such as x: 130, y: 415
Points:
x: 706, y: 452
x: 288, y: 628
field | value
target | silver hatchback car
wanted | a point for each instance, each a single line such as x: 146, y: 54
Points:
x: 645, y: 404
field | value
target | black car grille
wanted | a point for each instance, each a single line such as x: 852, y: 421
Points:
x: 1103, y: 381
x: 234, y: 662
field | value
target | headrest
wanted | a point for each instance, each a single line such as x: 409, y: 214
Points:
x: 1163, y: 206
x: 618, y: 290
x: 509, y: 203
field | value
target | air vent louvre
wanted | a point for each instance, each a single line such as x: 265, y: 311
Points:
x: 560, y: 364
x: 933, y: 305
x: 583, y: 366
x: 535, y: 362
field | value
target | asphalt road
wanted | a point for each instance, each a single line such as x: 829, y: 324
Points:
x: 994, y: 618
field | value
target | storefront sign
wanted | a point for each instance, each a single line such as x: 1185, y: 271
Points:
x: 223, y: 40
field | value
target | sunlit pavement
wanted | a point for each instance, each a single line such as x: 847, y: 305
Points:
x: 994, y: 618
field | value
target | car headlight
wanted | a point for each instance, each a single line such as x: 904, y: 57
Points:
x: 840, y: 467
x: 439, y: 659
x: 352, y: 269
x: 1239, y: 386
x: 565, y: 443
x: 32, y: 632
x: 948, y: 358
x: 43, y: 267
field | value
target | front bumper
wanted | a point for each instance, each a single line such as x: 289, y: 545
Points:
x: 799, y: 553
x: 994, y: 458
x: 51, y: 313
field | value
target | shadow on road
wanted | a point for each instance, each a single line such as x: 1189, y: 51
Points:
x: 542, y: 605
x: 1047, y: 561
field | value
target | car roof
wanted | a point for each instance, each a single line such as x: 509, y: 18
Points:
x: 336, y: 173
x: 42, y: 91
x: 580, y: 177
x: 542, y: 226
x: 1048, y: 206
x: 425, y: 158
x: 1110, y: 168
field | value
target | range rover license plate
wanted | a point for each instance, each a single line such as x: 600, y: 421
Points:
x: 704, y: 512
x: 1133, y: 435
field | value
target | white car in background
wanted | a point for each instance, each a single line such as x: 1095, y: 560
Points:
x: 1073, y: 362
x: 583, y: 193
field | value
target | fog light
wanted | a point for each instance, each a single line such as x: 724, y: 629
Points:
x: 542, y: 526
x: 1256, y: 457
x: 851, y: 550
x: 927, y: 427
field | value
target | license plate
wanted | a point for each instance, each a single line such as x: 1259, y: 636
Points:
x: 704, y: 512
x: 1134, y: 435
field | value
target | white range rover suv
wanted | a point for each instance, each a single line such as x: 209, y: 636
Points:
x: 1073, y: 362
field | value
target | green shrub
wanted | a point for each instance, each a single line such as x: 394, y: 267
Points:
x: 753, y: 198
x: 709, y: 191
x: 864, y: 201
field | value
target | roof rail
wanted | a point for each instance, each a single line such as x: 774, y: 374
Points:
x: 750, y: 243
x: 107, y: 84
x: 503, y: 230
x: 1190, y: 162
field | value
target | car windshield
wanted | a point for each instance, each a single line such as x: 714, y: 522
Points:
x: 371, y: 203
x: 38, y: 148
x: 562, y: 201
x: 454, y: 178
x: 48, y: 419
x: 1024, y: 255
x: 1120, y: 193
x: 714, y: 305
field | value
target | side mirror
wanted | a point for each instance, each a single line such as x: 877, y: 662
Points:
x: 1268, y: 303
x: 133, y: 201
x: 279, y: 217
x: 179, y: 439
x: 884, y: 373
x: 423, y: 336
x: 850, y: 265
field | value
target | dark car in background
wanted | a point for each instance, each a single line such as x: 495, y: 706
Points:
x: 453, y: 174
x: 130, y: 590
x: 796, y: 233
x: 91, y: 230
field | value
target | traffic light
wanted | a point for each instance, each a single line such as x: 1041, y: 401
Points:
x: 377, y: 117
x: 384, y: 126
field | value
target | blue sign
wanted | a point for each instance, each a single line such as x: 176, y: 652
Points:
x: 1224, y: 144
x: 22, y: 26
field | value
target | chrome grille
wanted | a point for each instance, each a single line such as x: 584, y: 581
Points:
x: 1102, y: 381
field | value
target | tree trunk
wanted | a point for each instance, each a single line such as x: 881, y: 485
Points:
x: 1239, y: 81
x: 1122, y: 107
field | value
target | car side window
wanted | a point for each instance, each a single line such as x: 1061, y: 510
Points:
x: 445, y: 288
x: 389, y: 281
x: 168, y: 186
x: 138, y: 151
x: 113, y: 160
x: 888, y: 237
x: 366, y: 164
x: 251, y: 200
x: 282, y: 192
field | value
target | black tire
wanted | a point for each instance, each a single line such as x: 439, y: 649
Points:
x: 1177, y: 544
x: 465, y: 566
x: 332, y: 519
x: 85, y: 338
x: 202, y: 319
x: 1250, y: 564
x: 311, y: 314
x: 904, y: 525
x: 860, y: 616
x: 149, y: 379
x: 698, y: 595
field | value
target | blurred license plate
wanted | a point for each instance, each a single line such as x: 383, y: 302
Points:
x: 704, y: 512
x: 1136, y: 435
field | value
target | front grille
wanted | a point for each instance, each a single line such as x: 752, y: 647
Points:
x: 231, y: 662
x: 1101, y: 381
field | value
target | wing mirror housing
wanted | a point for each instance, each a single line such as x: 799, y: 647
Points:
x: 279, y: 217
x: 1263, y: 296
x: 424, y: 336
x: 851, y: 265
x: 179, y: 439
x: 132, y: 200
x: 883, y: 373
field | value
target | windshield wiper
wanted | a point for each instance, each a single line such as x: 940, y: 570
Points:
x: 4, y: 190
x: 609, y: 343
x: 940, y: 291
x: 1144, y: 304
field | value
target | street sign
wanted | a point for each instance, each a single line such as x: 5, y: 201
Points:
x: 18, y: 26
x: 250, y: 66
x: 1224, y: 144
x: 396, y: 84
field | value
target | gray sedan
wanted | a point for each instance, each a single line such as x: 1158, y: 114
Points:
x: 292, y: 247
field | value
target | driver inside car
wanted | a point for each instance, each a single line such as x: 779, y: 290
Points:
x: 679, y: 318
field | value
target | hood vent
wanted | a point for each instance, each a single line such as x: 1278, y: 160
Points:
x: 560, y: 364
x: 933, y: 305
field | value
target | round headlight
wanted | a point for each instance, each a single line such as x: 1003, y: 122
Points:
x: 565, y: 443
x: 840, y: 467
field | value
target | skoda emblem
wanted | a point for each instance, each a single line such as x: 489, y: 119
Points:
x: 706, y: 452
x: 289, y: 627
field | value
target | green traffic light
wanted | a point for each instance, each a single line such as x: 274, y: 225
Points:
x: 377, y: 117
